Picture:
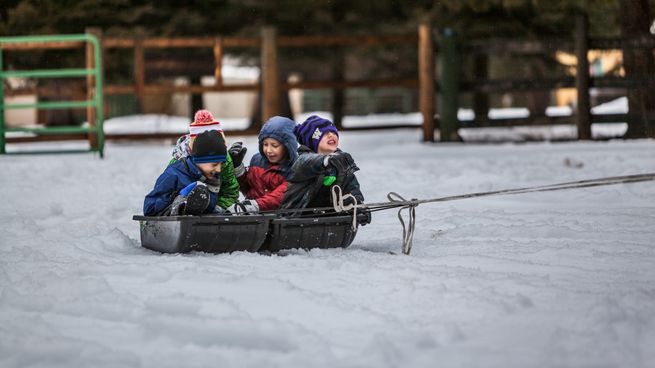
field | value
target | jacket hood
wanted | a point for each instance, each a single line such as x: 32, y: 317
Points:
x: 280, y: 129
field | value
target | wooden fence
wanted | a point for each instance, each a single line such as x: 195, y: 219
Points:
x: 450, y: 53
x: 438, y: 55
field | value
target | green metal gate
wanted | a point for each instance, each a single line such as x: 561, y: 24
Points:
x: 92, y: 131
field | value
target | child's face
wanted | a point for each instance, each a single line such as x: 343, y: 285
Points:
x: 328, y: 144
x: 211, y: 170
x: 273, y: 150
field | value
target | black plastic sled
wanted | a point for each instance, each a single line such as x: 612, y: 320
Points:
x: 252, y: 233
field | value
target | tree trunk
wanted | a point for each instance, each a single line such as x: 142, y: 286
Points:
x: 481, y: 99
x: 635, y: 22
x: 196, y: 98
x: 284, y: 108
x: 338, y: 100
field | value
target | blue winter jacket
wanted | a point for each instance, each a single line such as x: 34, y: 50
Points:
x: 176, y: 176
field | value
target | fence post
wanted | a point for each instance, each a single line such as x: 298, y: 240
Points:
x: 582, y: 81
x: 91, y: 84
x: 270, y: 80
x: 426, y: 80
x: 139, y: 72
x: 448, y: 79
x: 481, y: 99
x: 218, y: 61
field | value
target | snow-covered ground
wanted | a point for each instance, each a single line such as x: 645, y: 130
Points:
x: 557, y: 279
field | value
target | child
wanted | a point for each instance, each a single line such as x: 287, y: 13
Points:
x: 204, y: 121
x: 264, y: 182
x: 191, y: 185
x: 320, y: 166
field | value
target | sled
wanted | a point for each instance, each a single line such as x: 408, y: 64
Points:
x: 212, y: 234
x: 314, y: 232
x: 251, y: 233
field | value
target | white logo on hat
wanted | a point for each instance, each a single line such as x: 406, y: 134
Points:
x: 317, y: 134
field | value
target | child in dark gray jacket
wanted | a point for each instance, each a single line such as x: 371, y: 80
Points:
x: 320, y: 166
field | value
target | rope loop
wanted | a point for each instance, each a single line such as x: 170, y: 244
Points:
x: 408, y: 231
x: 337, y: 201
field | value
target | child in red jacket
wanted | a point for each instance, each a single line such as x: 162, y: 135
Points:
x: 264, y: 182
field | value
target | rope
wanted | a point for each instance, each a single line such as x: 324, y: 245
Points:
x: 337, y: 202
x: 380, y: 206
x: 544, y: 188
x: 397, y: 201
x: 408, y: 233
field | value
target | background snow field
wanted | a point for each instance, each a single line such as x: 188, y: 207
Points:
x: 557, y: 279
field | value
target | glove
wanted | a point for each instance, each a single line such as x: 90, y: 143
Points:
x: 343, y: 162
x: 197, y: 200
x: 249, y: 206
x: 186, y: 190
x: 177, y: 207
x: 237, y: 152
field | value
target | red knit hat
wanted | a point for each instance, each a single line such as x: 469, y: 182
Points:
x: 204, y: 121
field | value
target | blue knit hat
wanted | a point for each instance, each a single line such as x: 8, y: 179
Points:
x: 209, y: 147
x: 310, y: 132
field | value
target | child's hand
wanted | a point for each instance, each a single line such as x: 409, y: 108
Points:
x: 237, y: 152
x: 343, y: 162
x: 244, y: 207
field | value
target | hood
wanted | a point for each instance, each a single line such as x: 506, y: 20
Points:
x: 281, y: 129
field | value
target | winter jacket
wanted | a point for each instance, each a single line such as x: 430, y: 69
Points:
x: 229, y: 192
x: 176, y: 176
x: 306, y: 187
x: 262, y: 181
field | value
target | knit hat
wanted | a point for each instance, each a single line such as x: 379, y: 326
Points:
x: 310, y: 132
x: 203, y: 121
x: 209, y: 147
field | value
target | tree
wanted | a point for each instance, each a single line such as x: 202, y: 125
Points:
x: 635, y: 22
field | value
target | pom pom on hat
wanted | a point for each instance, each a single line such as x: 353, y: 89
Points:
x: 203, y: 121
x: 209, y: 147
x: 203, y: 116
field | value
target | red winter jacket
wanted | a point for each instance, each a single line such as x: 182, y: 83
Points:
x: 264, y: 182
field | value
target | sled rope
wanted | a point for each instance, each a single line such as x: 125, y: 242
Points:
x: 408, y: 233
x: 397, y: 201
x: 337, y: 201
x: 544, y: 188
x: 380, y: 206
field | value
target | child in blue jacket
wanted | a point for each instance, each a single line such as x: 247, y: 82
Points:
x: 191, y: 185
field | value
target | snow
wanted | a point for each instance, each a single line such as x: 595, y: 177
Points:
x: 559, y: 279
